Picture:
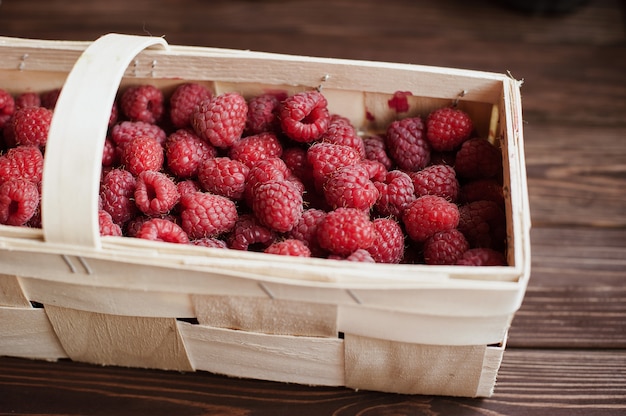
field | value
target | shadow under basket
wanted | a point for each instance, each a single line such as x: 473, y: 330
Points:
x: 67, y: 292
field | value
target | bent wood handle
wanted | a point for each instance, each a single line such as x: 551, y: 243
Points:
x: 73, y: 160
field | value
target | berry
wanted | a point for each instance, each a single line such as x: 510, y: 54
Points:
x: 49, y: 98
x: 184, y: 100
x: 350, y: 186
x: 160, y: 229
x: 447, y: 128
x: 223, y: 176
x: 341, y: 131
x: 304, y: 116
x: 19, y: 200
x: 126, y: 131
x: 396, y: 193
x: 185, y: 153
x: 483, y: 189
x: 263, y: 171
x: 155, y: 193
x: 361, y: 256
x: 445, y: 247
x: 375, y: 149
x: 263, y: 113
x: 478, y: 159
x: 27, y: 99
x: 482, y: 257
x: 22, y: 162
x: 141, y: 154
x: 31, y: 125
x: 484, y: 224
x: 295, y: 159
x: 326, y: 158
x: 110, y: 153
x: 252, y: 149
x: 207, y: 215
x: 289, y: 247
x: 406, y: 144
x: 437, y: 180
x: 107, y: 226
x: 345, y: 230
x: 142, y: 103
x: 117, y: 192
x: 7, y: 107
x: 306, y: 229
x: 248, y: 233
x: 210, y: 242
x: 277, y: 204
x: 429, y: 214
x: 221, y: 119
x: 388, y: 244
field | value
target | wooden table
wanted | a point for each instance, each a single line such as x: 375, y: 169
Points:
x: 566, y: 353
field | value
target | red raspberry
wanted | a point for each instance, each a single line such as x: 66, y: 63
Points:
x: 306, y: 229
x: 429, y: 214
x: 114, y: 114
x: 25, y: 162
x: 141, y: 154
x: 278, y: 205
x: 289, y: 247
x: 117, y: 193
x: 252, y: 149
x: 484, y: 224
x: 263, y: 171
x: 345, y: 230
x: 30, y: 126
x: 341, y: 131
x: 361, y: 256
x: 443, y: 158
x: 49, y: 98
x: 295, y: 159
x: 184, y: 100
x: 188, y: 186
x: 160, y: 229
x: 478, y: 159
x: 388, y: 245
x: 377, y: 170
x: 221, y: 120
x: 447, y: 128
x: 263, y: 113
x: 407, y: 145
x: 437, y: 180
x: 185, y: 153
x: 224, y: 176
x: 326, y: 158
x: 207, y: 215
x: 107, y: 226
x: 483, y: 189
x: 350, y: 186
x: 396, y: 193
x: 210, y: 242
x: 445, y: 247
x: 110, y: 153
x: 304, y: 116
x: 7, y: 107
x: 142, y: 103
x: 482, y: 257
x: 126, y: 131
x: 375, y: 149
x: 248, y: 234
x: 27, y: 99
x: 155, y: 193
x: 19, y: 200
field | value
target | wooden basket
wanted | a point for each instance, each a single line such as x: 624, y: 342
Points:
x: 67, y: 292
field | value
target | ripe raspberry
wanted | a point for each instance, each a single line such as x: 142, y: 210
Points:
x: 361, y: 256
x: 114, y: 114
x: 155, y: 193
x: 263, y: 171
x: 345, y: 230
x: 49, y: 98
x: 295, y: 159
x: 407, y: 145
x: 142, y: 103
x: 447, y: 128
x: 184, y: 100
x: 304, y: 116
x: 126, y: 131
x: 429, y: 214
x: 396, y: 193
x: 375, y: 149
x: 223, y: 176
x: 483, y: 189
x: 252, y: 149
x: 263, y: 113
x: 107, y: 226
x: 289, y: 247
x: 377, y: 171
x: 221, y: 120
x: 30, y: 126
x: 160, y: 229
x: 306, y: 229
x: 19, y: 200
x: 207, y: 215
x: 350, y: 186
x: 388, y: 245
x: 442, y: 158
x: 22, y: 162
x: 326, y: 158
x: 437, y: 180
x: 482, y: 257
x: 141, y: 154
x: 341, y: 131
x: 277, y: 204
x: 249, y: 234
x: 110, y: 153
x: 7, y: 107
x: 445, y: 247
x: 484, y: 224
x: 185, y: 153
x: 117, y: 193
x: 210, y: 242
x: 188, y: 186
x: 478, y: 159
x: 27, y: 99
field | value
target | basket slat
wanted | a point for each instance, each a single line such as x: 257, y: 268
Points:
x: 11, y: 293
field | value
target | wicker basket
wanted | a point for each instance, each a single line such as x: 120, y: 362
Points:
x: 66, y: 292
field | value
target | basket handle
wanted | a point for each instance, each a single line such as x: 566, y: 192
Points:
x: 72, y: 165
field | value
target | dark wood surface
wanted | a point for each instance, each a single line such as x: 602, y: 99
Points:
x: 567, y: 348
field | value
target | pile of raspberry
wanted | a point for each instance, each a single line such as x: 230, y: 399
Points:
x: 275, y: 173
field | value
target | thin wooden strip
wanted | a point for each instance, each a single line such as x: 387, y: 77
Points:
x: 11, y: 293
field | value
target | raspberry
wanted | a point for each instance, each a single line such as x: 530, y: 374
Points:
x: 345, y: 230
x: 141, y: 154
x: 210, y: 242
x: 375, y: 149
x: 221, y: 120
x: 142, y: 103
x: 184, y: 100
x: 7, y: 107
x: 396, y: 193
x: 482, y: 257
x: 443, y: 158
x: 295, y: 159
x: 27, y: 99
x: 350, y: 186
x: 160, y: 229
x: 304, y: 116
x: 22, y: 162
x: 429, y: 214
x: 377, y: 171
x: 185, y: 153
x: 117, y: 192
x: 188, y: 186
x: 110, y: 153
x: 388, y: 245
x: 447, y: 128
x: 361, y: 256
x: 406, y: 144
x: 341, y: 131
x: 207, y: 215
x: 49, y: 98
x: 114, y: 114
x: 326, y: 158
x: 30, y: 126
x: 484, y: 224
x: 19, y: 200
x: 277, y: 204
x: 263, y: 171
x: 437, y: 180
x: 483, y: 189
x: 306, y: 229
x: 107, y: 226
x: 155, y: 193
x: 223, y: 176
x: 251, y: 149
x: 263, y: 113
x: 445, y: 247
x: 126, y: 131
x: 248, y: 234
x: 478, y: 159
x: 289, y: 247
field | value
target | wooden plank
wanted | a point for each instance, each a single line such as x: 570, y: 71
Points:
x: 11, y: 293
